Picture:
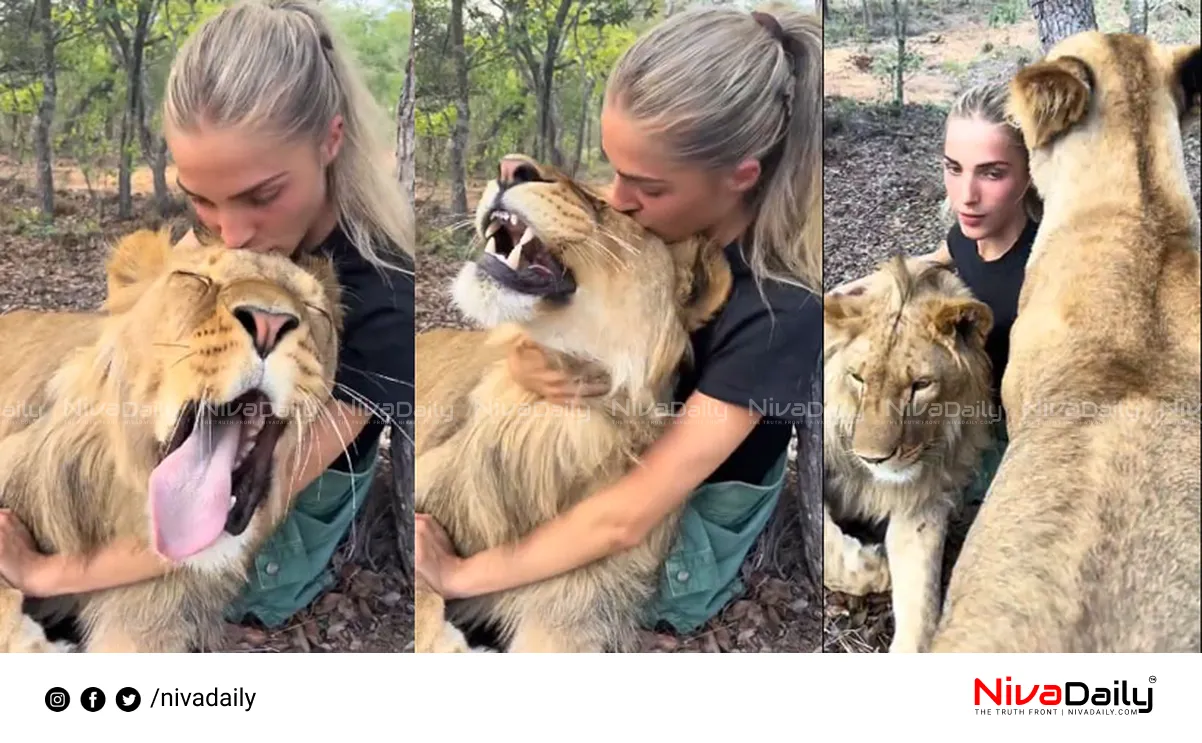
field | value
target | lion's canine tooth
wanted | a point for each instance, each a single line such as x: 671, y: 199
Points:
x: 514, y: 259
x: 492, y: 228
x: 527, y: 236
x: 491, y: 246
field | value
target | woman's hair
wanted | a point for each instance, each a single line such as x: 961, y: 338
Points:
x: 278, y: 67
x: 722, y: 85
x: 987, y: 102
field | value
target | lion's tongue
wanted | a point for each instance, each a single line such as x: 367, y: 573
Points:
x: 190, y: 491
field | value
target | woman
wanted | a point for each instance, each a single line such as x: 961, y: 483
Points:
x: 713, y: 123
x: 277, y: 143
x: 995, y: 212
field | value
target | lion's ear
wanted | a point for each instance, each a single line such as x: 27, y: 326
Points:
x: 843, y: 313
x: 1187, y: 73
x: 968, y: 319
x: 138, y: 257
x: 1050, y: 97
x: 703, y: 279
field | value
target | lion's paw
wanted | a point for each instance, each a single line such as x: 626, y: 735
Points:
x: 859, y: 570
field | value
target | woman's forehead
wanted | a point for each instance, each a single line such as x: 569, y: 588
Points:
x: 977, y: 140
x: 222, y: 164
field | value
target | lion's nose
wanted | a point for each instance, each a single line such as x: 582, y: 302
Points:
x: 517, y: 170
x: 266, y: 329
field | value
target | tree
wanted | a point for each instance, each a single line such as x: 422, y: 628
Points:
x: 1137, y: 16
x: 1059, y: 19
x: 44, y: 23
x: 462, y: 113
x: 406, y: 139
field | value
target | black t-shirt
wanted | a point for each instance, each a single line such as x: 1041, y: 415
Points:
x: 375, y: 354
x: 748, y: 357
x: 997, y: 284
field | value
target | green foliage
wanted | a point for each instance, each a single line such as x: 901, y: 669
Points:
x: 1008, y: 12
x: 505, y: 42
x: 91, y: 76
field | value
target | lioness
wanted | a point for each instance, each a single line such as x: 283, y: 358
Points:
x: 1088, y: 540
x: 586, y: 282
x: 906, y: 389
x: 173, y: 416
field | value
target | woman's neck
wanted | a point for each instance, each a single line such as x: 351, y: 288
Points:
x: 321, y: 229
x: 731, y: 228
x: 995, y: 246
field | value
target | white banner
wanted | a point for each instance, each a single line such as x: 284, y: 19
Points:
x: 609, y: 698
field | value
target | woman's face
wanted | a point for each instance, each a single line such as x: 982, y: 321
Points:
x: 255, y: 193
x: 985, y: 175
x: 672, y: 200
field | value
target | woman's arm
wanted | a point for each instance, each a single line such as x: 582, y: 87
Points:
x: 616, y: 518
x: 128, y: 561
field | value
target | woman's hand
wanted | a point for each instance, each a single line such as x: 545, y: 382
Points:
x: 434, y: 557
x: 529, y: 366
x: 21, y: 564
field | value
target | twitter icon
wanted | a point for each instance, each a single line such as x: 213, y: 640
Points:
x: 128, y: 699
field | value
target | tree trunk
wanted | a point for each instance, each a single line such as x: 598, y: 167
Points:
x: 459, y: 134
x: 810, y: 482
x: 131, y: 120
x: 406, y: 122
x: 1137, y: 16
x: 582, y: 130
x: 547, y: 146
x: 400, y: 455
x: 899, y: 30
x: 45, y: 115
x: 154, y: 149
x: 1059, y: 19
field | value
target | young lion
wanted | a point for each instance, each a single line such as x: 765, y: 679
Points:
x: 586, y: 282
x: 1088, y: 540
x: 173, y: 416
x: 906, y: 385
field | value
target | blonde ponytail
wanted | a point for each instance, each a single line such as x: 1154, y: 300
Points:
x: 723, y: 86
x: 278, y: 67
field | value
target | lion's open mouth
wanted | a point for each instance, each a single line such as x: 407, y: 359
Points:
x: 215, y: 471
x: 515, y: 258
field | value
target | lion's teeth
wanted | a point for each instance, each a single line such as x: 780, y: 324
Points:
x: 233, y: 502
x: 491, y: 246
x: 527, y: 236
x: 492, y: 229
x: 513, y: 219
x: 514, y: 258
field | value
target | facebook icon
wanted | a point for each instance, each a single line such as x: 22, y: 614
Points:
x: 92, y: 699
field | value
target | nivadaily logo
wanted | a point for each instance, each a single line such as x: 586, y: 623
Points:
x: 1070, y: 697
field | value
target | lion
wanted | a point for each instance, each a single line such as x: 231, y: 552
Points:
x: 1088, y: 540
x: 174, y: 416
x: 604, y: 297
x: 906, y: 419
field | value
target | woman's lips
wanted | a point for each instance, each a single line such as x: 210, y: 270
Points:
x: 971, y: 220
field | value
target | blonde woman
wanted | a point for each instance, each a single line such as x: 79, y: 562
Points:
x: 994, y: 213
x: 713, y: 124
x: 280, y: 147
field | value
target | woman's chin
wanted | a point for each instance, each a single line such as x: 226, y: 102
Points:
x: 974, y: 229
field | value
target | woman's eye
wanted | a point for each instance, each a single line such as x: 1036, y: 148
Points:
x: 263, y: 199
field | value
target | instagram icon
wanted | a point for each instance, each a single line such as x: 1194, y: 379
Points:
x: 57, y: 699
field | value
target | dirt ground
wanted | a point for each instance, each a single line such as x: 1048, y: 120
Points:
x: 779, y: 612
x: 883, y: 187
x: 369, y: 608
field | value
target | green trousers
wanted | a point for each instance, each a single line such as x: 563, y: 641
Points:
x: 719, y: 526
x: 292, y: 567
